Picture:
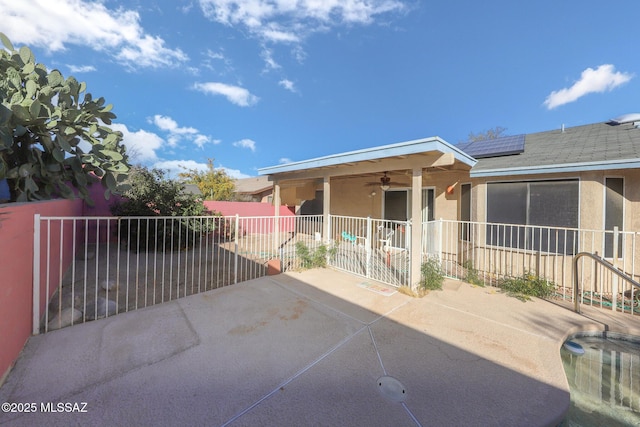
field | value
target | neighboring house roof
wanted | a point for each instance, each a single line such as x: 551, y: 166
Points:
x: 192, y: 189
x: 253, y: 185
x: 599, y: 146
x: 417, y: 146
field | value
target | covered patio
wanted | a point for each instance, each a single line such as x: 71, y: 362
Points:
x: 407, y: 183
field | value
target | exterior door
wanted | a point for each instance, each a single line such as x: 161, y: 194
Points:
x: 395, y: 205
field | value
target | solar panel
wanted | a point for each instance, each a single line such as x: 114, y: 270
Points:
x: 463, y: 145
x: 503, y: 146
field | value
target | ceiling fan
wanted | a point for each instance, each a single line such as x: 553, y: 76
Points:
x: 385, y: 182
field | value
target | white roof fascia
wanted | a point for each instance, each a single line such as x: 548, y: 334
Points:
x: 560, y: 168
x: 400, y: 149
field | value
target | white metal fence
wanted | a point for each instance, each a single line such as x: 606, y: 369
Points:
x: 486, y: 253
x: 372, y: 248
x: 91, y: 267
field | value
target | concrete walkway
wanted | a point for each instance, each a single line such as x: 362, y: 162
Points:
x: 309, y: 348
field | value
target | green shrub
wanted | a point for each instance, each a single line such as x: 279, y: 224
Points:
x: 526, y: 286
x: 316, y: 258
x: 150, y: 194
x: 472, y: 275
x: 432, y: 276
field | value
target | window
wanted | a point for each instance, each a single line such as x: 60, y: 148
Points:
x: 465, y: 210
x: 428, y: 202
x: 613, y: 213
x: 547, y: 204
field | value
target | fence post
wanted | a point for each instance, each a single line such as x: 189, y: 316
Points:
x: 235, y: 242
x: 36, y: 275
x: 413, y: 270
x: 440, y: 240
x: 614, y: 284
x: 367, y: 247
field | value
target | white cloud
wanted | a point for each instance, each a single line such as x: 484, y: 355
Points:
x: 141, y: 145
x: 246, y: 143
x: 602, y: 79
x: 299, y: 54
x: 174, y: 167
x: 216, y: 55
x: 81, y: 68
x: 290, y: 20
x: 233, y: 173
x: 201, y: 140
x: 284, y: 160
x: 267, y: 57
x: 274, y: 33
x: 288, y: 85
x: 235, y: 94
x: 177, y: 133
x: 53, y: 25
x: 217, y: 61
x: 168, y: 124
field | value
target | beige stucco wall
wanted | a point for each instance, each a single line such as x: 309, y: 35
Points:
x: 446, y: 205
x: 353, y: 196
x: 592, y: 196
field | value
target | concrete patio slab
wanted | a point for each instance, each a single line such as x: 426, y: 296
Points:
x: 309, y: 349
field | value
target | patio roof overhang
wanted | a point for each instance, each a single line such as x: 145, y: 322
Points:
x: 430, y: 152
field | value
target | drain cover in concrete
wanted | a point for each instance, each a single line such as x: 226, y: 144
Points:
x: 392, y: 389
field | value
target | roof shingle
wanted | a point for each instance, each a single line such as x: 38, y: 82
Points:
x: 586, y: 145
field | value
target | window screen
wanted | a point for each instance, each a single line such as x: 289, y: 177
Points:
x: 613, y: 213
x: 547, y: 204
x: 506, y: 204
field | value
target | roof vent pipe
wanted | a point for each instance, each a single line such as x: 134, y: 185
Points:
x: 563, y: 128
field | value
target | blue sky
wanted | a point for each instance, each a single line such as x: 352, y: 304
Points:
x: 257, y: 83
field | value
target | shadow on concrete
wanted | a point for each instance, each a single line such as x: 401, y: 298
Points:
x: 300, y: 349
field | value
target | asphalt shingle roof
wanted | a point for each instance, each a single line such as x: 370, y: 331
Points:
x: 580, y: 146
x: 253, y: 185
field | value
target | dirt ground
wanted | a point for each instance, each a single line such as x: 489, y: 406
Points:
x: 108, y: 279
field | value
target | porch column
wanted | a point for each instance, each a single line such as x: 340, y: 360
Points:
x: 416, y: 225
x: 276, y: 214
x: 326, y: 208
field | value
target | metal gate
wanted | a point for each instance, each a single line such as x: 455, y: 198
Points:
x: 373, y: 248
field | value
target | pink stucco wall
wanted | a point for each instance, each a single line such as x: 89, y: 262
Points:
x: 16, y: 271
x: 16, y: 266
x: 254, y: 209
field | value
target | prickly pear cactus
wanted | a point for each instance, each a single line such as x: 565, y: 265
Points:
x: 53, y: 135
